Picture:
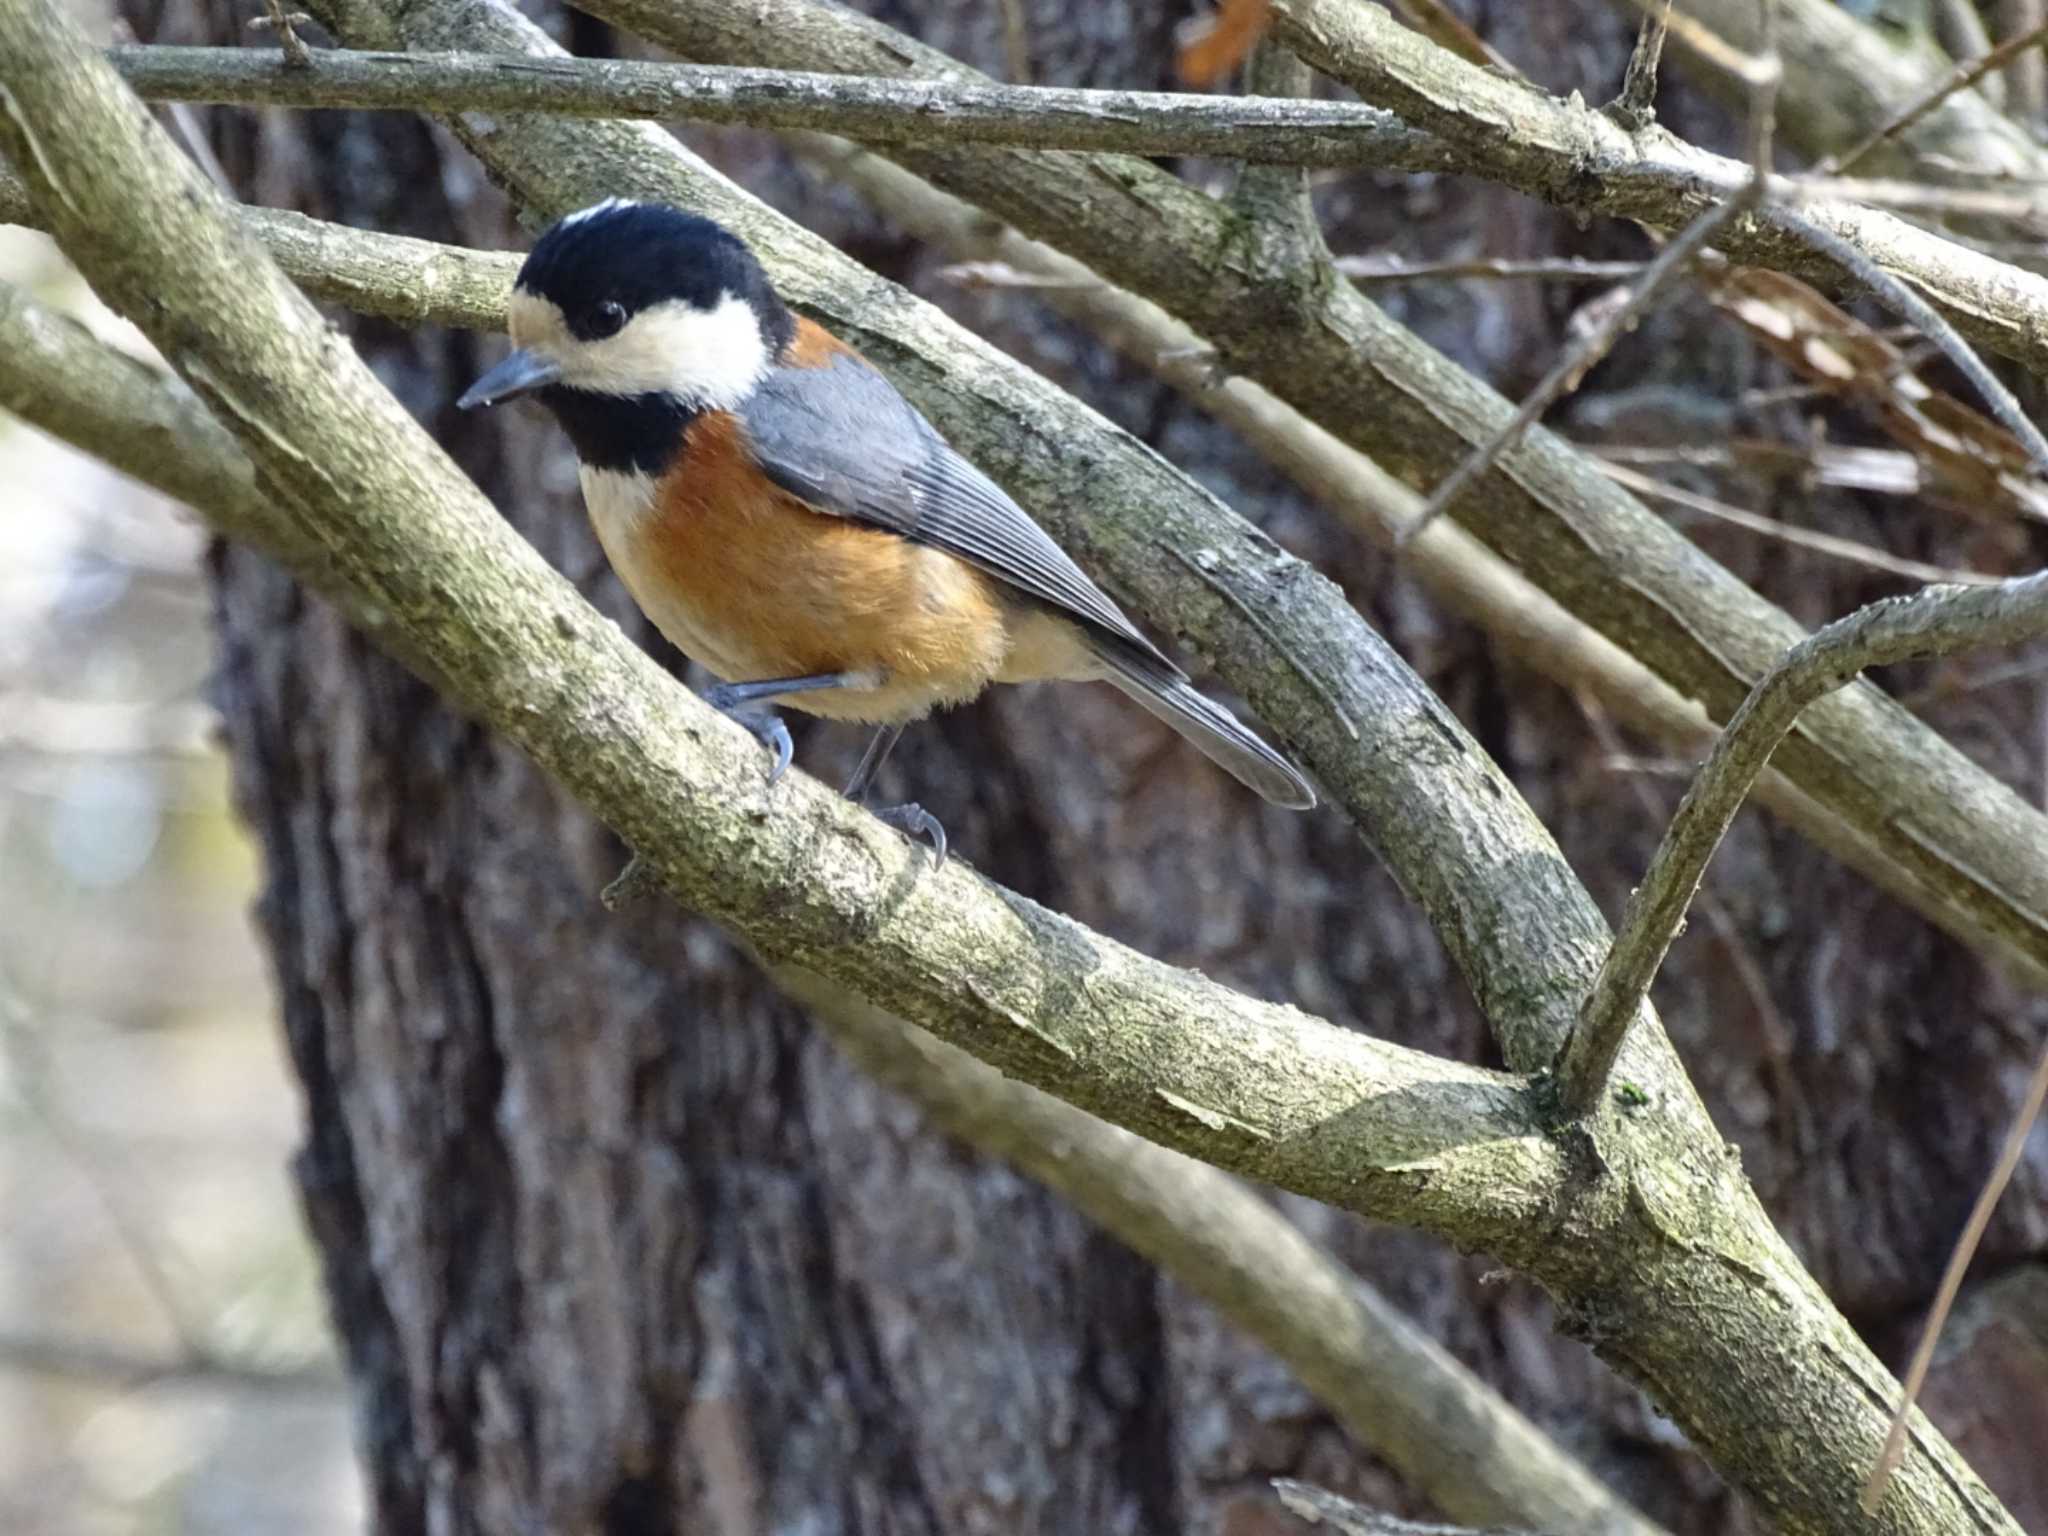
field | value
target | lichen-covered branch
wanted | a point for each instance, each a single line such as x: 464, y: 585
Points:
x: 1397, y: 1391
x: 1935, y: 621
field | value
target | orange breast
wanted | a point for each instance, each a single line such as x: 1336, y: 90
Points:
x: 750, y: 582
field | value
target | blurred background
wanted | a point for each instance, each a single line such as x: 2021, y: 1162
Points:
x: 165, y: 1361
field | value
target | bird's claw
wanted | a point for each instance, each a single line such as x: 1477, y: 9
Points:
x: 917, y: 823
x: 766, y: 728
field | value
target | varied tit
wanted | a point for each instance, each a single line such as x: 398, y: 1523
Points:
x: 792, y: 523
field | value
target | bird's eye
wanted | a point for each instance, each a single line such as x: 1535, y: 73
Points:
x: 610, y: 316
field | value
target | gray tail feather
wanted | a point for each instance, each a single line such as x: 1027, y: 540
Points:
x: 1211, y: 727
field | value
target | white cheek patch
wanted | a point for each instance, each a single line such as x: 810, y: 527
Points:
x: 711, y: 358
x: 534, y: 323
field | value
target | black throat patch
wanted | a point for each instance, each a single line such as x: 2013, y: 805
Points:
x: 626, y: 433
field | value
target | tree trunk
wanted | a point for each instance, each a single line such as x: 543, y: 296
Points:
x: 617, y: 1243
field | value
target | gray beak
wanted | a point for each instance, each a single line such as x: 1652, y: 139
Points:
x: 520, y: 374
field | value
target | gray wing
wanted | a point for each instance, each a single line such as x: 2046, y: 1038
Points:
x: 841, y: 439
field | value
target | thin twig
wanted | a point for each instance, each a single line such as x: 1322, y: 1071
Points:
x: 1963, y: 36
x: 1289, y: 131
x: 1898, y: 297
x: 1777, y: 1039
x: 1806, y: 538
x: 1961, y: 78
x: 285, y: 24
x: 1636, y: 106
x: 1368, y: 271
x: 1952, y: 1279
x: 1566, y: 373
x: 1565, y: 376
x: 1935, y: 621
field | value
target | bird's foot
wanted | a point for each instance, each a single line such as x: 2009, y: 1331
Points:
x: 917, y: 823
x: 767, y: 728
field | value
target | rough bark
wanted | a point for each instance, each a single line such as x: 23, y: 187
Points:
x: 704, y: 1277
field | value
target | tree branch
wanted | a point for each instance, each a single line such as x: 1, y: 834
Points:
x: 1649, y: 1230
x: 1391, y: 1386
x: 1399, y: 1393
x: 1513, y: 134
x: 1935, y: 621
x: 1459, y: 571
x: 1266, y: 129
x: 1334, y: 356
x: 1846, y: 80
x: 1961, y: 78
x: 377, y: 274
x: 1320, y: 1507
x: 1509, y: 133
x: 1636, y: 106
x: 815, y: 881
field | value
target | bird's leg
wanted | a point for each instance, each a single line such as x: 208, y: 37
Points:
x: 731, y: 700
x: 912, y: 820
x: 871, y: 762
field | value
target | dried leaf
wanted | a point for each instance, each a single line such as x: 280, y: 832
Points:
x: 1216, y: 44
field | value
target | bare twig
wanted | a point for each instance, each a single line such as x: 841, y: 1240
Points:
x: 1017, y: 42
x: 285, y: 24
x: 1566, y: 374
x: 1370, y: 271
x: 1579, y: 359
x: 1952, y: 1278
x: 1825, y: 543
x: 1776, y: 1039
x: 1961, y: 78
x: 1963, y: 36
x: 1636, y: 106
x: 1287, y: 131
x: 1936, y: 621
x: 1570, y: 370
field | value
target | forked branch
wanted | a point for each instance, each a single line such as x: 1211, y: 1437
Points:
x: 1935, y: 621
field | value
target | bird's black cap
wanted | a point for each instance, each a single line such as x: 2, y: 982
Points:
x: 638, y: 255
